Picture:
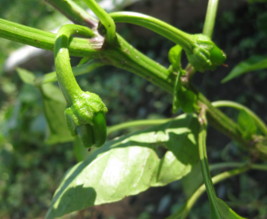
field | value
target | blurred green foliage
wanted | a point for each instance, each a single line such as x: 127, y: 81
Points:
x: 29, y: 169
x: 27, y: 12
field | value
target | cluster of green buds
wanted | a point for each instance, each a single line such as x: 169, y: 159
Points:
x: 86, y: 118
x: 204, y: 54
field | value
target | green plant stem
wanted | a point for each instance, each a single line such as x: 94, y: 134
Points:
x: 224, y: 103
x: 65, y: 76
x: 205, y: 170
x: 26, y: 35
x: 210, y: 18
x: 77, y: 70
x: 222, y: 123
x: 228, y: 165
x: 261, y: 167
x: 184, y: 211
x: 240, y: 168
x: 45, y: 40
x: 125, y: 56
x: 73, y: 12
x: 104, y: 18
x: 136, y: 123
x: 164, y: 29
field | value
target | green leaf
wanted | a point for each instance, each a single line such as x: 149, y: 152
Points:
x: 247, y: 124
x: 26, y: 76
x: 54, y: 106
x: 254, y: 63
x: 225, y: 211
x: 129, y: 165
x: 192, y: 181
x: 219, y: 209
x: 174, y: 56
x: 183, y: 97
x: 187, y: 100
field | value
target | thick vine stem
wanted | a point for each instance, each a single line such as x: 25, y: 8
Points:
x: 222, y: 123
x: 164, y: 29
x: 67, y: 81
x: 46, y: 40
x: 105, y: 20
x: 72, y: 11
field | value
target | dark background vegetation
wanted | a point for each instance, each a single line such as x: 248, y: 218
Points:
x: 31, y: 170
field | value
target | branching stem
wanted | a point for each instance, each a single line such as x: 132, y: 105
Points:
x: 225, y: 103
x: 210, y: 18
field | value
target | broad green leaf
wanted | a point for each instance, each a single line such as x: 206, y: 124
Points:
x: 247, y: 124
x: 129, y: 165
x: 252, y: 64
x: 26, y: 76
x: 54, y: 106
